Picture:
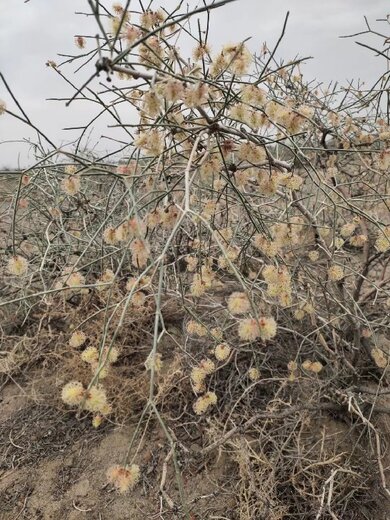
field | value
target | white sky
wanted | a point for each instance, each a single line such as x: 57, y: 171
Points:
x: 34, y: 32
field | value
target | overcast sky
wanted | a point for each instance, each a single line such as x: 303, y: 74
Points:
x: 33, y: 32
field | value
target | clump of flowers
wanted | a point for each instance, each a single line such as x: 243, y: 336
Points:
x: 293, y: 370
x: 207, y: 365
x: 379, y: 357
x: 123, y: 477
x: 140, y: 252
x: 17, y: 265
x: 237, y: 58
x: 151, y: 103
x: 382, y: 243
x: 291, y: 181
x: 222, y: 351
x: 154, y: 362
x: 150, y: 142
x: 192, y: 263
x: 200, y: 51
x: 173, y: 90
x: 358, y: 240
x: 254, y: 374
x: 268, y: 247
x: 196, y: 95
x: 91, y: 356
x: 109, y: 235
x: 96, y: 399
x: 75, y: 280
x: 73, y: 393
x: 107, y: 278
x: 71, y: 185
x: 196, y: 329
x: 151, y: 18
x: 238, y: 303
x: 254, y: 95
x: 251, y: 329
x: 268, y: 182
x: 347, y: 229
x: 97, y: 420
x: 77, y: 339
x: 198, y: 376
x: 80, y: 42
x: 252, y: 153
x: 202, y: 281
x: 312, y: 366
x: 278, y: 283
x: 151, y: 54
x: 313, y: 255
x: 335, y: 273
x: 203, y: 403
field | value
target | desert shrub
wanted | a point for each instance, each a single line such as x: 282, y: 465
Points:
x: 223, y: 272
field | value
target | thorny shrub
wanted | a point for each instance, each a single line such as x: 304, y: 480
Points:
x: 225, y: 269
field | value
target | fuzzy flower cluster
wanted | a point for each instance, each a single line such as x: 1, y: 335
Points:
x: 99, y: 363
x: 381, y: 360
x: 202, y: 281
x: 254, y: 374
x: 254, y: 95
x: 268, y: 182
x: 251, y: 117
x: 382, y: 242
x: 358, y: 240
x: 150, y: 142
x: 268, y: 247
x: 313, y: 255
x: 196, y: 329
x: 71, y: 185
x: 154, y: 362
x: 17, y: 265
x: 303, y: 309
x: 140, y: 252
x: 278, y: 284
x: 335, y: 273
x: 94, y: 399
x: 172, y: 90
x: 151, y: 103
x: 80, y: 42
x: 75, y: 279
x: 347, y: 229
x: 106, y: 279
x: 251, y: 329
x: 293, y: 370
x: 222, y: 351
x: 203, y: 403
x: 152, y: 53
x: 252, y: 153
x: 123, y: 477
x: 77, y: 339
x: 312, y: 366
x: 238, y: 303
x: 196, y: 95
x: 291, y: 181
x: 200, y: 51
x: 151, y: 18
x: 234, y: 57
x: 231, y: 254
x: 292, y: 119
x: 124, y: 232
x: 199, y: 374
